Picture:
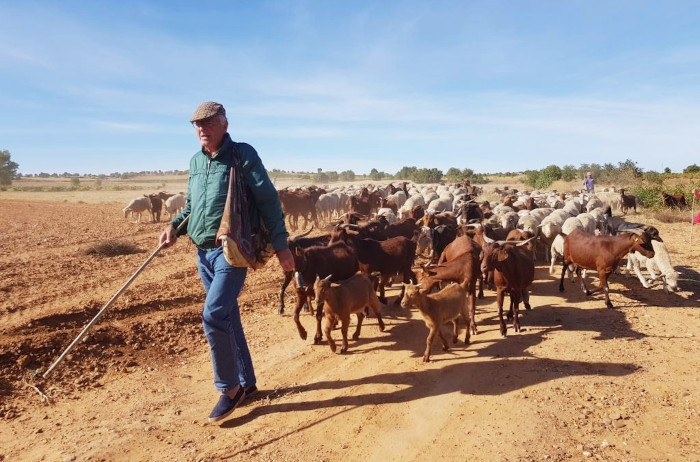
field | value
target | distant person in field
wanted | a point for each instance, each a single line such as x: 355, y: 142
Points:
x: 589, y: 183
x: 207, y: 192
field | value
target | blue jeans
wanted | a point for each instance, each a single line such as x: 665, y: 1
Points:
x: 221, y: 319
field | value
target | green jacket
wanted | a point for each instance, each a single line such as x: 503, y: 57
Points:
x: 207, y: 187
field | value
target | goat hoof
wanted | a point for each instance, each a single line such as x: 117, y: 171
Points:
x: 355, y: 336
x: 426, y: 359
x: 317, y: 341
x: 588, y: 292
x: 303, y: 335
x: 609, y: 305
x: 528, y: 306
x: 561, y: 288
x: 383, y: 300
x: 509, y: 316
x: 280, y: 310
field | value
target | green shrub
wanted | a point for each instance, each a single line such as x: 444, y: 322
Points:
x: 648, y: 197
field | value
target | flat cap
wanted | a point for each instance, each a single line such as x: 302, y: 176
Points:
x: 207, y: 109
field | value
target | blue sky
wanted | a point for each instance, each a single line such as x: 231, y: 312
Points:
x: 102, y: 87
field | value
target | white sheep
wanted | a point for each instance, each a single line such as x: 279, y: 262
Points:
x: 440, y: 205
x: 175, y: 204
x: 137, y: 207
x: 661, y: 262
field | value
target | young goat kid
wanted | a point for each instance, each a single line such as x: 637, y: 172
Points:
x: 339, y: 300
x: 437, y: 309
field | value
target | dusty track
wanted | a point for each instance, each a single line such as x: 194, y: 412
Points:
x: 579, y: 381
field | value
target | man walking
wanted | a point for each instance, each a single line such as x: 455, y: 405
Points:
x: 207, y: 189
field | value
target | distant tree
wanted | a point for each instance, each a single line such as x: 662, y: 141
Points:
x: 425, y: 175
x: 347, y: 175
x: 630, y: 166
x: 8, y: 168
x: 548, y: 176
x: 531, y: 177
x: 692, y: 169
x: 454, y: 175
x: 667, y: 170
x: 569, y: 172
x: 405, y: 173
x: 321, y: 177
x: 376, y: 175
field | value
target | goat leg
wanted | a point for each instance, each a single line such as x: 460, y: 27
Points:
x: 327, y: 324
x: 499, y: 300
x: 344, y: 324
x: 471, y: 305
x: 563, y: 274
x: 376, y: 307
x: 319, y: 317
x: 360, y: 317
x: 301, y: 298
x: 606, y: 290
x: 445, y: 345
x: 583, y: 283
x: 515, y: 304
x: 526, y: 299
x: 287, y: 279
x: 428, y: 343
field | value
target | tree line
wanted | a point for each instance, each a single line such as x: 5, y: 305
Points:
x: 623, y: 173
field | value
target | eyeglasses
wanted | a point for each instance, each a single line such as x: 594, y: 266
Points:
x: 206, y: 123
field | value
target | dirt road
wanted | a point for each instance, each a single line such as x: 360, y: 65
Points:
x: 579, y: 382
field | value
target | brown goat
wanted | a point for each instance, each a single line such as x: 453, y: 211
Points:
x: 603, y: 254
x: 513, y: 271
x: 437, y: 309
x: 336, y: 260
x: 673, y: 200
x: 340, y: 300
x: 627, y: 201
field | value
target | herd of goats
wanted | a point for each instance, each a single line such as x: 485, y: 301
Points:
x: 376, y: 233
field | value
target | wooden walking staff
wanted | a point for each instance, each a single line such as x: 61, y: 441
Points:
x: 111, y: 300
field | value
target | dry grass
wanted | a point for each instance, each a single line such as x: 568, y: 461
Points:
x: 110, y: 248
x: 671, y: 215
x: 110, y: 189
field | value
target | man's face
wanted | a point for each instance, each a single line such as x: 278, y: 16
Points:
x: 210, y: 133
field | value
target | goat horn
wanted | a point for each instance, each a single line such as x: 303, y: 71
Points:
x: 294, y: 239
x: 328, y: 278
x: 488, y: 240
x: 525, y: 242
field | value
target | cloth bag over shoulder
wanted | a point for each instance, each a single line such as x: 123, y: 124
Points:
x: 243, y: 246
